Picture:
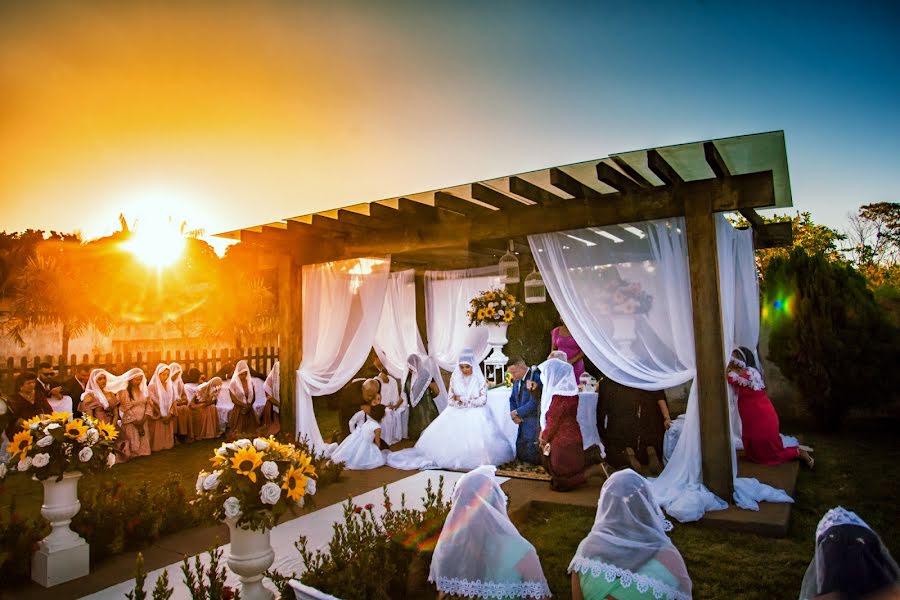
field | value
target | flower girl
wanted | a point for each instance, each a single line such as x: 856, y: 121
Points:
x: 361, y: 449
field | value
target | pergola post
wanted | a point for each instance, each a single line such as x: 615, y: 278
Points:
x: 421, y: 320
x: 715, y: 426
x: 290, y: 337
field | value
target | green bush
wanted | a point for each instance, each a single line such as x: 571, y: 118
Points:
x: 529, y: 337
x: 829, y: 335
x: 18, y: 540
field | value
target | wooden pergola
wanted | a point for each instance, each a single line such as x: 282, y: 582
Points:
x: 469, y: 225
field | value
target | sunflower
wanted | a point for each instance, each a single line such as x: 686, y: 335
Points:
x: 508, y: 316
x: 489, y: 312
x: 60, y: 417
x: 480, y: 314
x: 294, y: 483
x: 107, y: 431
x: 76, y: 429
x: 246, y: 461
x: 490, y: 296
x: 20, y: 444
x: 28, y: 423
x: 510, y: 299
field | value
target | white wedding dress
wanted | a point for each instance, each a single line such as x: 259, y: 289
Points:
x: 464, y: 436
x: 358, y: 451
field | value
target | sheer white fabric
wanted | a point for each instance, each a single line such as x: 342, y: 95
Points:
x: 93, y: 387
x: 558, y: 379
x: 224, y: 405
x: 447, y: 296
x: 480, y: 553
x: 163, y: 394
x: 236, y: 385
x: 398, y: 334
x: 342, y: 307
x: 176, y: 372
x: 425, y: 370
x: 392, y: 423
x: 629, y: 533
x: 272, y: 386
x: 624, y: 293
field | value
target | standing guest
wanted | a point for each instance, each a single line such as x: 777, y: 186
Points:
x: 632, y: 423
x: 75, y: 386
x: 759, y: 421
x: 97, y: 402
x: 561, y: 339
x: 183, y: 428
x: 480, y: 553
x: 361, y: 450
x: 627, y: 554
x: 136, y: 408
x: 271, y: 415
x: 561, y: 442
x: 203, y: 410
x: 850, y: 562
x: 525, y: 409
x: 162, y: 421
x: 44, y: 383
x: 392, y: 423
x: 422, y: 387
x: 242, y: 419
x: 24, y: 404
x: 59, y: 402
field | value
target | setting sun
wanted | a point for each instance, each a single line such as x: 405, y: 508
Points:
x: 156, y: 244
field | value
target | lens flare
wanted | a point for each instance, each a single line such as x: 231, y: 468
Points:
x: 157, y: 244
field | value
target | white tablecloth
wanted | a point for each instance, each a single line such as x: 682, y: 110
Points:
x: 498, y: 402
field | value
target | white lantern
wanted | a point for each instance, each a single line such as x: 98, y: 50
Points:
x: 509, y: 266
x: 535, y: 290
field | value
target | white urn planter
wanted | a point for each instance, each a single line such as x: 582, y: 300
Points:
x: 63, y: 555
x: 496, y: 340
x: 250, y: 556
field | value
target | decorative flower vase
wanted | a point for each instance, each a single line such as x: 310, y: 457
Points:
x: 250, y: 556
x: 63, y: 555
x: 496, y: 340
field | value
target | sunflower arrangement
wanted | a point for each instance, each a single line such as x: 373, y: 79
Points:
x: 494, y: 307
x: 55, y: 444
x: 256, y: 481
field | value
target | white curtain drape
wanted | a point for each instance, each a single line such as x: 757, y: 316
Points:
x: 447, y: 295
x: 342, y: 307
x: 624, y: 293
x: 398, y: 334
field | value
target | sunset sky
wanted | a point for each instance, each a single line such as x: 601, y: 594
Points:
x: 233, y: 113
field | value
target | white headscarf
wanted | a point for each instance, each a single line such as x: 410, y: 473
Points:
x: 273, y: 381
x: 235, y: 387
x: 209, y: 390
x: 424, y: 369
x: 871, y: 564
x: 177, y: 378
x: 558, y: 379
x: 468, y: 389
x: 120, y: 383
x: 630, y: 531
x: 480, y: 552
x: 163, y: 394
x: 93, y: 388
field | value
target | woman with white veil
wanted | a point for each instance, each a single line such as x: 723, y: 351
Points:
x: 480, y: 553
x: 182, y: 409
x: 204, y: 416
x: 242, y: 418
x: 271, y: 423
x: 135, y: 407
x: 98, y: 402
x: 162, y: 423
x: 423, y: 388
x: 628, y: 555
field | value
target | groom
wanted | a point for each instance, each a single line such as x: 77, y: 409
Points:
x: 525, y: 409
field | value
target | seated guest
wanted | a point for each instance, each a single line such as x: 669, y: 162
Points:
x: 525, y: 409
x: 850, y: 562
x: 759, y: 421
x: 632, y: 423
x: 561, y: 442
x: 392, y: 423
x: 242, y: 419
x: 627, y: 547
x: 480, y: 553
x: 136, y: 408
x: 204, y: 416
x: 98, y: 402
x: 422, y: 387
x: 162, y: 420
x: 361, y: 449
x: 75, y: 386
x: 182, y: 409
x: 271, y: 417
x: 24, y: 404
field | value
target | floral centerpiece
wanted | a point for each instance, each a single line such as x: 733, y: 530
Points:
x: 256, y: 481
x: 494, y: 307
x: 55, y: 444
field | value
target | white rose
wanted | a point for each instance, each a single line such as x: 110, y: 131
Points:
x: 201, y: 478
x: 41, y: 460
x: 261, y: 444
x: 503, y: 303
x: 270, y: 470
x: 93, y: 436
x: 2, y: 470
x: 111, y: 459
x: 45, y: 441
x: 24, y: 465
x: 51, y: 427
x: 212, y: 482
x: 270, y: 493
x: 311, y: 486
x: 231, y: 446
x: 232, y: 507
x: 244, y: 443
x: 34, y: 426
x: 222, y: 451
x: 85, y: 455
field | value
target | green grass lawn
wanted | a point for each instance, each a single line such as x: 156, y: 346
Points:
x: 855, y: 470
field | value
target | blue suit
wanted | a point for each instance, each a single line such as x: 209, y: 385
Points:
x: 528, y: 407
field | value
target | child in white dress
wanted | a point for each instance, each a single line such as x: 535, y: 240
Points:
x: 360, y: 450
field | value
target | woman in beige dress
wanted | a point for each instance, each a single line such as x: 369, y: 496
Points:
x: 204, y: 417
x: 271, y: 424
x: 162, y: 422
x: 135, y: 408
x: 242, y: 419
x: 98, y: 402
x: 183, y: 418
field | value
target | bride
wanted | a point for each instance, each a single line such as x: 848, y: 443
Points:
x: 465, y: 435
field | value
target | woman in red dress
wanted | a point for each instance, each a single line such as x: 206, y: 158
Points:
x: 759, y: 421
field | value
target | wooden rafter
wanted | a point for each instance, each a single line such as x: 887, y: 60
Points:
x: 354, y: 218
x: 447, y: 201
x: 495, y: 198
x: 570, y: 185
x: 631, y: 171
x: 535, y: 193
x: 615, y: 179
x: 662, y: 169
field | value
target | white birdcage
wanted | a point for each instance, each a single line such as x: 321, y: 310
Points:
x: 509, y: 266
x: 535, y: 290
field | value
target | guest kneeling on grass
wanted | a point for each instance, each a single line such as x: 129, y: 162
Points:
x: 628, y: 555
x: 759, y: 421
x: 204, y: 416
x: 361, y: 449
x: 851, y: 562
x: 480, y: 553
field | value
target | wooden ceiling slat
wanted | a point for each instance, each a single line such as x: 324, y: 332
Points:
x: 328, y: 224
x: 715, y: 161
x: 385, y: 213
x: 569, y: 184
x: 447, y: 201
x: 496, y: 198
x: 354, y: 218
x: 662, y: 169
x: 631, y: 171
x: 535, y: 193
x: 615, y: 179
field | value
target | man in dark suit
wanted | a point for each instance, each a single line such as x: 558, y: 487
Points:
x: 74, y: 387
x: 525, y: 409
x: 45, y: 382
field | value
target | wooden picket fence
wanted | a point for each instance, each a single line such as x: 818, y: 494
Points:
x: 207, y: 361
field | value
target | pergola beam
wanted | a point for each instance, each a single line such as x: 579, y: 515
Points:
x: 495, y: 198
x: 535, y: 193
x: 570, y: 185
x: 662, y: 169
x: 615, y: 179
x: 447, y: 201
x: 631, y: 171
x: 354, y: 218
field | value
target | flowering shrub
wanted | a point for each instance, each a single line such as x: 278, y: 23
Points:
x: 18, y: 538
x: 494, y: 307
x: 51, y: 445
x: 256, y: 481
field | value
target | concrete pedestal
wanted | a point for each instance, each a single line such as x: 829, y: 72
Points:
x: 52, y: 568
